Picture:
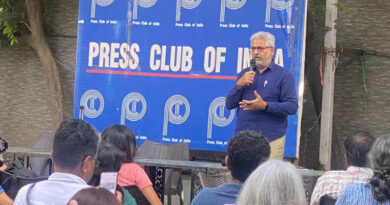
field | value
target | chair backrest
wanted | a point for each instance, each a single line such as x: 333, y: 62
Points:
x: 203, y: 180
x: 137, y: 194
x: 309, y: 182
x: 327, y: 200
x: 213, y: 180
x: 40, y: 165
x: 154, y: 150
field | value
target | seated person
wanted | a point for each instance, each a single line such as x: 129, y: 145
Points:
x: 74, y: 157
x: 275, y: 182
x: 110, y: 160
x: 333, y: 183
x: 377, y: 191
x: 4, y: 199
x: 130, y: 173
x: 94, y: 196
x: 245, y: 152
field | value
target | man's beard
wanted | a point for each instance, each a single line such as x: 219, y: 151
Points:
x: 262, y: 62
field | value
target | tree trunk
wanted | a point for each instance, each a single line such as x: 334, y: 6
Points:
x: 310, y: 139
x: 47, y: 60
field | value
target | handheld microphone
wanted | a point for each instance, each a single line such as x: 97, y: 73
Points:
x: 253, y: 64
x: 81, y: 113
x: 253, y: 67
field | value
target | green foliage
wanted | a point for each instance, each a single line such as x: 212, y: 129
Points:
x: 13, y: 18
x: 316, y: 9
x: 341, y: 7
x: 9, y: 30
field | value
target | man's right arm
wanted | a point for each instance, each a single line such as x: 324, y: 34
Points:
x: 235, y: 94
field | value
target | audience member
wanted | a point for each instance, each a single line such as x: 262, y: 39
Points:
x: 110, y: 160
x: 245, y: 151
x: 4, y: 198
x: 94, y: 196
x: 377, y: 191
x: 333, y: 183
x: 273, y: 183
x: 130, y: 173
x: 74, y: 156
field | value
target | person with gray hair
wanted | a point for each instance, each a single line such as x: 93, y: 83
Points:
x: 264, y: 95
x: 245, y: 152
x: 377, y: 190
x: 275, y: 182
x: 268, y: 38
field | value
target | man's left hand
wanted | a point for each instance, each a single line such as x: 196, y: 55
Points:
x: 256, y: 104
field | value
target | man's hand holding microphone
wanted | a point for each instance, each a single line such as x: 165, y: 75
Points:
x: 258, y: 103
x: 248, y: 77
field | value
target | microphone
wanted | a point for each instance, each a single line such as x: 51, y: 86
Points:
x: 81, y: 113
x: 253, y: 67
x: 253, y: 64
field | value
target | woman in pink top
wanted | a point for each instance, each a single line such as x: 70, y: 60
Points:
x: 130, y: 173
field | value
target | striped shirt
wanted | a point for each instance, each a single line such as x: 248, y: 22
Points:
x: 359, y: 194
x: 333, y: 183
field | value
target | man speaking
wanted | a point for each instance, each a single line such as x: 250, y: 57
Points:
x: 264, y: 95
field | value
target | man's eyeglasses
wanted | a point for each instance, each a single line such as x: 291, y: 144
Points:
x: 260, y: 48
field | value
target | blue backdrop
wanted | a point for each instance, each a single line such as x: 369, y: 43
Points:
x: 164, y: 67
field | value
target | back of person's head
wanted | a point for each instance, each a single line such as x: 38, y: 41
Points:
x: 245, y: 151
x: 94, y: 196
x: 274, y: 182
x: 121, y: 137
x: 356, y: 148
x: 74, y: 141
x: 110, y: 158
x: 380, y: 163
